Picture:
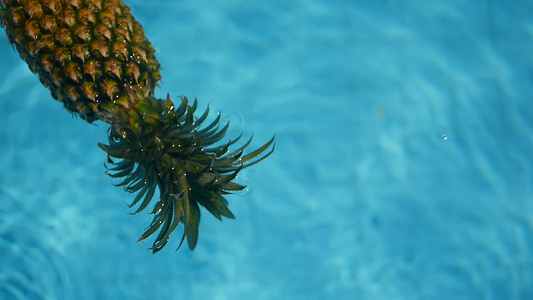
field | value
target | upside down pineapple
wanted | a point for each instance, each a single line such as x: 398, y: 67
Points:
x: 95, y: 59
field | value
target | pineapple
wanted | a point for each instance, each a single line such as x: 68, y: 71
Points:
x: 94, y: 58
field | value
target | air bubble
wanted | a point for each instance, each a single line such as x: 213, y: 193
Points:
x: 443, y: 135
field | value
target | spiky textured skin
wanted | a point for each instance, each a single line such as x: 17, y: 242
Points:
x: 91, y: 54
x: 95, y: 59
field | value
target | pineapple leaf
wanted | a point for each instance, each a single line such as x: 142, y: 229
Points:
x: 210, y: 126
x: 147, y: 198
x: 222, y: 206
x: 215, y: 136
x: 156, y: 223
x: 257, y: 152
x: 201, y: 119
x: 194, y: 222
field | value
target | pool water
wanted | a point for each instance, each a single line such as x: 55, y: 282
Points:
x: 402, y: 170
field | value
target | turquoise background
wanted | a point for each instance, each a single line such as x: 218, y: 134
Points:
x: 403, y: 165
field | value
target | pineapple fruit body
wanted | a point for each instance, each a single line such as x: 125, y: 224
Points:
x: 91, y: 54
x: 95, y: 59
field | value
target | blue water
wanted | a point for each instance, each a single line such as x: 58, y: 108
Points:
x: 403, y: 166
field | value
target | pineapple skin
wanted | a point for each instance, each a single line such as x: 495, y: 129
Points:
x: 92, y: 54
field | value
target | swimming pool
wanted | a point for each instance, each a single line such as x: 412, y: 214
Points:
x: 402, y: 168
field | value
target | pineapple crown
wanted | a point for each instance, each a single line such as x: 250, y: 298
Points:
x: 166, y: 148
